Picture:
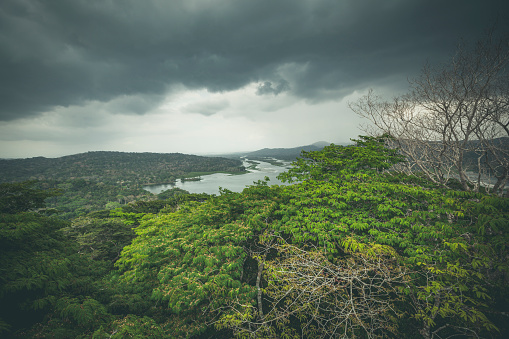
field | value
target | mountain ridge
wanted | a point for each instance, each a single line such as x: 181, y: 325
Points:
x: 282, y: 153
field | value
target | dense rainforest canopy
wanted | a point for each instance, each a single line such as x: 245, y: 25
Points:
x: 351, y: 249
x: 95, y: 181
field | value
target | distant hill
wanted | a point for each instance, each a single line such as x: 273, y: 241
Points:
x: 321, y: 144
x: 134, y: 168
x: 289, y: 154
x: 95, y: 181
x: 474, y: 154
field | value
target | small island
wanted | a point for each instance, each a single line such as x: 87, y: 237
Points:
x: 190, y: 179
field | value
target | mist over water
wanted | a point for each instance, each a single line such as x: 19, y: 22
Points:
x: 210, y: 183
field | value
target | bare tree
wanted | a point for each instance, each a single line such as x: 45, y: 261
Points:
x: 452, y: 115
x: 329, y: 299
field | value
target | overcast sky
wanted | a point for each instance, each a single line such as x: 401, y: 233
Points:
x: 211, y: 76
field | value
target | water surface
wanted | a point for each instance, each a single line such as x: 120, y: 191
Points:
x: 210, y: 183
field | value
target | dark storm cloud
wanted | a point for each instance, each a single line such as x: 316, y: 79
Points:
x: 273, y: 88
x: 61, y: 52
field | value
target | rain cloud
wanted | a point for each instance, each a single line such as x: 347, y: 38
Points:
x: 65, y: 53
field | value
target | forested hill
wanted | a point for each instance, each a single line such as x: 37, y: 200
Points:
x: 131, y: 168
x: 106, y: 180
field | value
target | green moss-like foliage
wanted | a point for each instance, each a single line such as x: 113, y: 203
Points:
x: 352, y: 249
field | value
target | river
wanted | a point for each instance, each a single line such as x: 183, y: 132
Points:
x: 210, y: 183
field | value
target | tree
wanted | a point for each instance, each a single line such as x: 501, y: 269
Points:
x: 357, y: 249
x: 450, y: 121
x: 309, y: 294
x: 35, y: 265
x: 171, y: 193
x: 189, y: 260
x: 100, y: 239
x: 23, y: 197
x: 353, y: 249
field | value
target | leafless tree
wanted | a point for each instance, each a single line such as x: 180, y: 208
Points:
x: 451, y: 115
x: 328, y: 298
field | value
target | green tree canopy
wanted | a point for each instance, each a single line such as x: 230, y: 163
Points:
x: 22, y: 197
x: 293, y: 261
x: 352, y: 249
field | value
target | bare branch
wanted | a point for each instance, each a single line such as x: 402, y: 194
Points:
x: 452, y: 116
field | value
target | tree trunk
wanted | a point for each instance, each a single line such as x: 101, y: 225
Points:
x: 258, y: 281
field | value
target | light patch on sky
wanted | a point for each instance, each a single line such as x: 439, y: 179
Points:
x: 243, y: 121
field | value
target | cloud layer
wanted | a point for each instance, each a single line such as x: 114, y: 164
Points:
x: 61, y: 53
x: 202, y: 76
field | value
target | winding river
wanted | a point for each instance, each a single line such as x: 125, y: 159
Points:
x: 210, y: 183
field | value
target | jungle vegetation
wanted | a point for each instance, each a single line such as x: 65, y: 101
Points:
x: 95, y: 181
x: 353, y: 248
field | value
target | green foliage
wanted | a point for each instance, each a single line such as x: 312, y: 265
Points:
x: 132, y: 326
x: 40, y: 271
x: 101, y: 239
x: 91, y: 196
x: 22, y: 197
x: 112, y: 205
x: 192, y: 258
x: 352, y: 249
x: 171, y: 193
x: 167, y: 205
x: 95, y: 181
x: 86, y: 313
x: 345, y: 203
x: 114, y: 168
x: 35, y: 265
x: 368, y: 156
x: 72, y: 317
